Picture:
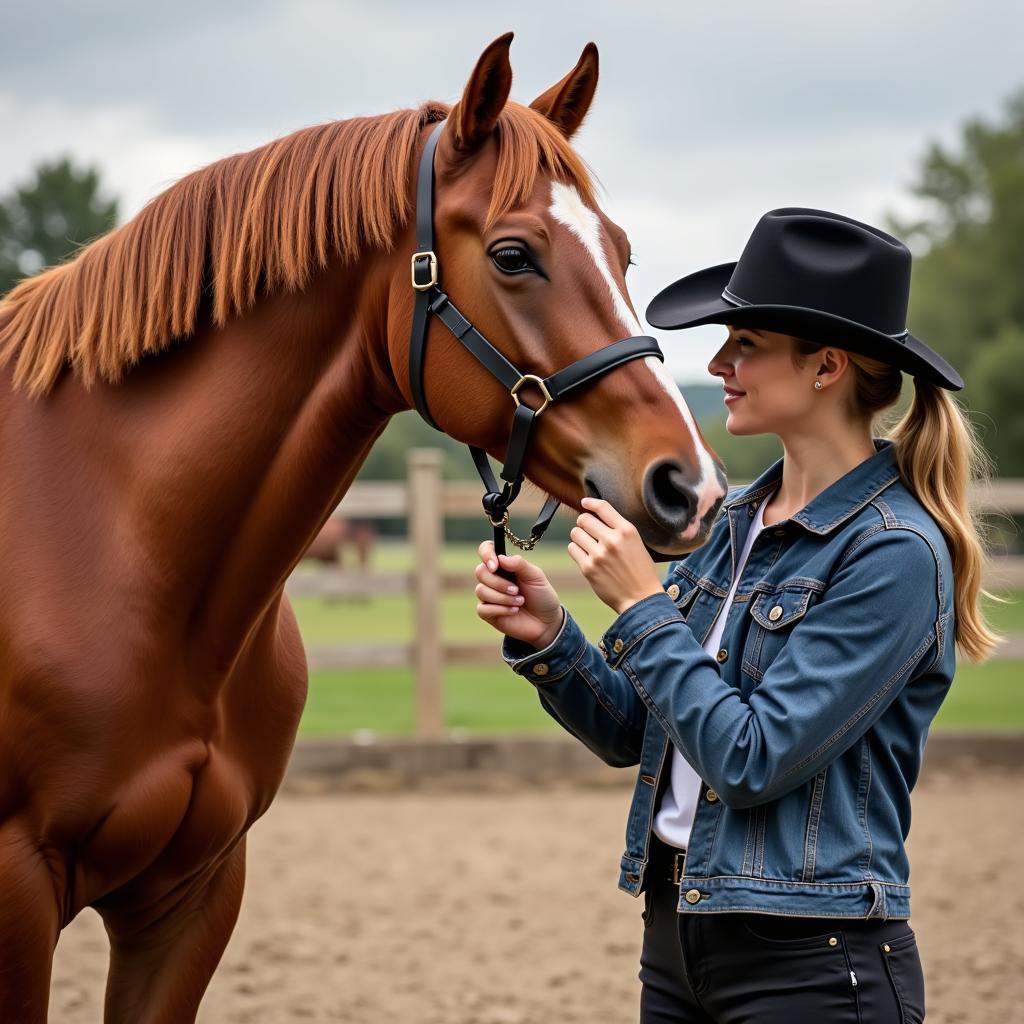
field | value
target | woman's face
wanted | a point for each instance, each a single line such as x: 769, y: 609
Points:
x: 765, y: 392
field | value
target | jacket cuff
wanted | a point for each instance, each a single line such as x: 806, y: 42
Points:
x: 635, y: 623
x: 554, y: 661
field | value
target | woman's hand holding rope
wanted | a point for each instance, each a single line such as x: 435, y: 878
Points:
x: 609, y: 553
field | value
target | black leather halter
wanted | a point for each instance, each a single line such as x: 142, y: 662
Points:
x: 432, y: 300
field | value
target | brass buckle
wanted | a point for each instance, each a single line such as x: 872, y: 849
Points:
x: 432, y: 263
x: 676, y: 872
x: 543, y: 390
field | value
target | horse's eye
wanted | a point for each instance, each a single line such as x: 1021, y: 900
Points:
x: 511, y: 259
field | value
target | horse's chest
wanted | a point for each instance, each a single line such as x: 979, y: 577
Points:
x: 171, y: 824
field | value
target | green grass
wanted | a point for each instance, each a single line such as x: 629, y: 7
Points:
x: 491, y: 698
x: 478, y: 700
x: 389, y: 619
x: 495, y: 699
x: 1007, y: 618
x: 988, y: 696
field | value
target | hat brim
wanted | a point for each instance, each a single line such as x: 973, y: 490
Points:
x: 697, y: 299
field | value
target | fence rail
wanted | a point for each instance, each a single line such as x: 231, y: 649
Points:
x: 426, y: 501
x: 389, y: 499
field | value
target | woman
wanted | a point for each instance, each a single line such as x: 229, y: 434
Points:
x: 777, y: 688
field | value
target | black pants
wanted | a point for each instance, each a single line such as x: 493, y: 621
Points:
x: 763, y: 969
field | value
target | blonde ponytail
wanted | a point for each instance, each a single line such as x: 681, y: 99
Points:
x: 940, y: 457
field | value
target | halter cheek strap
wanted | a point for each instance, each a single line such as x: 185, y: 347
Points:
x: 432, y: 301
x: 424, y: 273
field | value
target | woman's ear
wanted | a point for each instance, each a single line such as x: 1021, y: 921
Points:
x: 832, y: 363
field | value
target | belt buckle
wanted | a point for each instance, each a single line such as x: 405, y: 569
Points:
x: 677, y: 872
x: 431, y: 259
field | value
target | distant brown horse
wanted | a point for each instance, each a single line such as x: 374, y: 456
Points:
x: 328, y: 546
x: 181, y: 408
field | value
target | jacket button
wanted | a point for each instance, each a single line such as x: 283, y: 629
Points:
x: 692, y: 896
x: 618, y: 645
x: 673, y: 591
x: 722, y: 655
x: 833, y: 941
x: 604, y: 650
x: 780, y: 533
x: 712, y: 796
x: 776, y: 613
x: 540, y: 669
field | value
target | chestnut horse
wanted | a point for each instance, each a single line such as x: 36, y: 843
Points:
x: 181, y: 408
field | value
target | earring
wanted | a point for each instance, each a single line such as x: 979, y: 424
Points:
x: 817, y: 385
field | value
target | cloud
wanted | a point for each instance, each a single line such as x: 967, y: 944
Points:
x: 706, y: 115
x: 137, y: 160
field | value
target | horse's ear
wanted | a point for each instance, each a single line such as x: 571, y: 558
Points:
x: 484, y: 97
x: 567, y: 102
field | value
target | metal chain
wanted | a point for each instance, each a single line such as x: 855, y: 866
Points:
x: 524, y: 544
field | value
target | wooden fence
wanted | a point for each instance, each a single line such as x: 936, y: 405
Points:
x: 425, y: 501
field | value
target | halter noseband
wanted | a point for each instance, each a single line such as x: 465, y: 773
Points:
x: 432, y: 300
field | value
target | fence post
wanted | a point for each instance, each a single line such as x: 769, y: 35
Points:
x: 426, y: 521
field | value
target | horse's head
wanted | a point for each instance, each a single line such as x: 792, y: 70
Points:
x: 529, y: 258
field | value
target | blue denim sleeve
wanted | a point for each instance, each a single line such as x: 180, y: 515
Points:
x: 583, y: 693
x: 842, y: 666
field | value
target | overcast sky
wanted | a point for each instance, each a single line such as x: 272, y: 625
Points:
x: 706, y: 116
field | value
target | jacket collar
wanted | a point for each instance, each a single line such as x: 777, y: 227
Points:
x: 840, y: 500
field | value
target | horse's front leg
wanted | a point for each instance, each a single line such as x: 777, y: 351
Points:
x: 29, y: 925
x: 161, y: 966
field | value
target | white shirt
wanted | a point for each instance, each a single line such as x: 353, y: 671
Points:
x: 674, y: 819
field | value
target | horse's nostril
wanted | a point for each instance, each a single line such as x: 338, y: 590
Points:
x: 669, y: 487
x: 671, y: 501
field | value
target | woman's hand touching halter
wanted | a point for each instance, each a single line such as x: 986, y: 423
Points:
x: 610, y: 555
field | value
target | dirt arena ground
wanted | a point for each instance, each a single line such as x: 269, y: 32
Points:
x: 500, y: 907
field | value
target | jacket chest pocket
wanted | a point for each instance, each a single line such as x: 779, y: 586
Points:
x: 775, y: 615
x: 698, y: 605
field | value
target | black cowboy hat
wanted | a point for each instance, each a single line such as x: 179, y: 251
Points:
x: 816, y: 275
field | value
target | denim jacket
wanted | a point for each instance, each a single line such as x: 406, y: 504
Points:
x: 808, y: 726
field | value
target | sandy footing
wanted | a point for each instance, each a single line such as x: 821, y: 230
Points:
x: 501, y: 908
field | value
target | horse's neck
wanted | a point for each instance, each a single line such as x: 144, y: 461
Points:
x: 257, y: 435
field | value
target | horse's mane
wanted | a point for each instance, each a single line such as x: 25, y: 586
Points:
x: 246, y: 225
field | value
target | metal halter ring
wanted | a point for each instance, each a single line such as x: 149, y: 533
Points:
x: 543, y: 390
x: 431, y: 263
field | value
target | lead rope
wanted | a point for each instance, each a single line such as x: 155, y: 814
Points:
x: 496, y: 506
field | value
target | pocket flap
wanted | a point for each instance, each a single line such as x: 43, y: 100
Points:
x: 687, y: 594
x: 773, y: 611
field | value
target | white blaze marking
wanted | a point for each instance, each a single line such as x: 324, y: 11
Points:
x: 569, y: 209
